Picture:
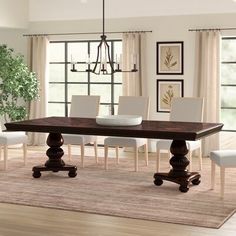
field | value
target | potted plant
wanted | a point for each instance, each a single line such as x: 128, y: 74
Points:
x: 18, y: 85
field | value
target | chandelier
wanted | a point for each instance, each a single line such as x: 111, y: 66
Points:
x: 104, y: 64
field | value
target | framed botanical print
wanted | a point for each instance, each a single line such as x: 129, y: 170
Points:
x: 170, y: 58
x: 166, y: 90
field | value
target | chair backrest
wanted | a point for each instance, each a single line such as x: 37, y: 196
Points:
x: 188, y: 109
x: 84, y: 106
x: 130, y: 105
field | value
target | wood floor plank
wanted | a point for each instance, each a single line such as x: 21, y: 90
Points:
x: 33, y: 221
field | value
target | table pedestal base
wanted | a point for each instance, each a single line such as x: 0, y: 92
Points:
x: 37, y: 169
x: 178, y: 174
x: 183, y: 181
x: 54, y: 162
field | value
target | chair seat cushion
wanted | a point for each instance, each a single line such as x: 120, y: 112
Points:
x: 124, y: 142
x: 78, y: 139
x: 224, y: 158
x: 12, y: 138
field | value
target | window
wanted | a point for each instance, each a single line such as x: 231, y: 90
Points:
x: 228, y: 83
x: 63, y: 83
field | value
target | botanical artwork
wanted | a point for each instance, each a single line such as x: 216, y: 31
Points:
x: 169, y: 57
x: 166, y: 90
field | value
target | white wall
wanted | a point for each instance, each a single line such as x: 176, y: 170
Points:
x: 14, y: 13
x: 47, y: 10
x: 14, y: 39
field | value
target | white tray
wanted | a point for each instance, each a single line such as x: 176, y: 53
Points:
x: 119, y: 120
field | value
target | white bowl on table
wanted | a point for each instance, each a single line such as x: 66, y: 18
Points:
x: 119, y: 120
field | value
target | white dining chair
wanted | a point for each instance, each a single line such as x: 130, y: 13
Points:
x: 82, y: 106
x: 12, y: 138
x: 129, y: 105
x: 224, y: 159
x: 186, y: 109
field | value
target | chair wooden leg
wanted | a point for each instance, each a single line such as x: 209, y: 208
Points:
x: 0, y: 153
x: 5, y: 156
x: 190, y: 153
x: 25, y: 152
x: 96, y: 151
x: 222, y: 182
x: 69, y: 151
x: 146, y: 153
x: 158, y: 160
x: 117, y: 154
x: 82, y: 155
x: 136, y: 159
x: 200, y: 158
x: 213, y: 171
x: 106, y: 157
x: 169, y: 155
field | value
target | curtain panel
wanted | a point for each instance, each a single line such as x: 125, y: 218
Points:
x: 134, y: 50
x: 207, y: 81
x: 38, y: 63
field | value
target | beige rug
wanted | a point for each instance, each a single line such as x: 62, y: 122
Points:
x: 118, y: 192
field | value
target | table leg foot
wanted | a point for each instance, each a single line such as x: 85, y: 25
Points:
x: 70, y: 168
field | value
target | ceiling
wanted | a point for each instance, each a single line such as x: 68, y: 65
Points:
x: 46, y: 10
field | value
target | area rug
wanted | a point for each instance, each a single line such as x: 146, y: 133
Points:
x: 118, y: 192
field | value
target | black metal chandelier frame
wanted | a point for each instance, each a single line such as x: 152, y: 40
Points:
x: 103, y: 61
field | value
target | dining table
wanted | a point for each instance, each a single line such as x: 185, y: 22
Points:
x: 178, y: 132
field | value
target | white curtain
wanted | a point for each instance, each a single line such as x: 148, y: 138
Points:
x: 38, y: 63
x: 207, y: 81
x: 134, y: 84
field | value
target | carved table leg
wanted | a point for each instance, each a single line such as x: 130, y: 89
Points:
x: 54, y: 162
x: 178, y: 174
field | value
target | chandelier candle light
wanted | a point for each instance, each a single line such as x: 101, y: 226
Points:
x: 104, y: 65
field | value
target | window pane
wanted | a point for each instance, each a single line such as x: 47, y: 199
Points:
x: 103, y: 90
x: 100, y: 78
x: 93, y: 51
x: 77, y: 76
x: 56, y: 73
x: 228, y: 73
x: 56, y: 93
x: 57, y: 52
x: 228, y: 98
x: 77, y: 89
x: 118, y: 49
x: 115, y: 109
x: 56, y: 109
x: 104, y: 110
x: 117, y: 92
x: 228, y: 118
x: 228, y: 46
x: 118, y: 77
x: 78, y: 52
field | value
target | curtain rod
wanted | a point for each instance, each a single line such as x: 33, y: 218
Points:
x: 111, y: 32
x: 212, y: 29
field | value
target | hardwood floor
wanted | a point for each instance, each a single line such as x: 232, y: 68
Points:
x: 18, y: 220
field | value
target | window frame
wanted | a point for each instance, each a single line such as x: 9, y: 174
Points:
x: 228, y: 85
x: 111, y: 81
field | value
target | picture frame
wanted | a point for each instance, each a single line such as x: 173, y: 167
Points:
x: 166, y: 90
x: 170, y: 58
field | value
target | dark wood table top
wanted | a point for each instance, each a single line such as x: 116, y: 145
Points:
x: 148, y: 128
